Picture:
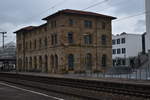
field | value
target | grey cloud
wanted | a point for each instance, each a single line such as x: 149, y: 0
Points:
x: 140, y: 26
x: 21, y: 11
x: 18, y: 13
x: 128, y: 6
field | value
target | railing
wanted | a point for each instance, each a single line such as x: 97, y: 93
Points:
x: 80, y: 87
x: 138, y: 74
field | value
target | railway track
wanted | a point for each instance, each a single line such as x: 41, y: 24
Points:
x: 125, y: 89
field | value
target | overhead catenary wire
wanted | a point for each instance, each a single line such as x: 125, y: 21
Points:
x: 96, y: 4
x: 120, y: 19
x: 52, y: 7
x: 91, y: 6
x: 117, y: 3
x: 131, y: 16
x: 62, y: 2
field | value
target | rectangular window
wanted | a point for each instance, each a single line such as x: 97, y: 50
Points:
x: 114, y: 51
x: 70, y: 37
x: 104, y: 60
x: 53, y: 24
x: 104, y: 39
x: 19, y: 47
x: 118, y: 51
x: 30, y: 45
x: 52, y: 39
x: 118, y: 41
x: 45, y: 41
x: 123, y: 50
x: 40, y: 43
x: 88, y: 39
x: 123, y: 40
x: 119, y: 62
x: 55, y: 38
x: 103, y: 25
x: 114, y: 62
x: 34, y: 44
x: 87, y: 24
x: 45, y: 29
x: 26, y: 45
x: 71, y: 22
x: 113, y: 42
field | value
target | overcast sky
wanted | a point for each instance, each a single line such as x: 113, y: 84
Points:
x: 15, y: 14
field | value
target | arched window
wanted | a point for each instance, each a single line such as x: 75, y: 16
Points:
x: 40, y: 63
x: 52, y: 61
x: 52, y: 39
x: 88, y: 61
x: 56, y: 62
x: 46, y: 64
x: 35, y: 63
x: 30, y: 62
x: 71, y: 62
x: 70, y: 37
x: 104, y: 60
x: 26, y: 64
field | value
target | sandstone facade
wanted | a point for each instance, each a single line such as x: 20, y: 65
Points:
x: 70, y: 41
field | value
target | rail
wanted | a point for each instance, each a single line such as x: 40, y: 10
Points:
x: 120, y: 88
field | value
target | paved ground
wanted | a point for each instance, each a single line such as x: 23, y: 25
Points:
x: 11, y: 92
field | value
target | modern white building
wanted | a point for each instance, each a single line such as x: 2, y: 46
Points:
x: 147, y: 6
x: 124, y: 47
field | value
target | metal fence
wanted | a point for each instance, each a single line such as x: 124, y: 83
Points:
x: 135, y: 74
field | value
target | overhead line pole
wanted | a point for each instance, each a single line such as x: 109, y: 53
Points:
x: 3, y: 37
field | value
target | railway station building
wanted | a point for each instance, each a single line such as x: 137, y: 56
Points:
x: 71, y: 41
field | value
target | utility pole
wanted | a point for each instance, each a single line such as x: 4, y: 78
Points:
x: 3, y: 36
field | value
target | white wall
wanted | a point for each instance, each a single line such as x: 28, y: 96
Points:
x: 147, y: 24
x: 133, y: 45
x: 117, y: 46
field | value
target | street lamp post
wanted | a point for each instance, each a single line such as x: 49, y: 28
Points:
x: 3, y: 36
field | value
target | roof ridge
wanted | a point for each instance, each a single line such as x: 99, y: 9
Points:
x: 79, y: 12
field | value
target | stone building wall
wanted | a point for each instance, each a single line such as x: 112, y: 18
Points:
x: 33, y: 55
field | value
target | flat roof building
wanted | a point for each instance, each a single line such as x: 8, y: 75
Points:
x: 126, y: 46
